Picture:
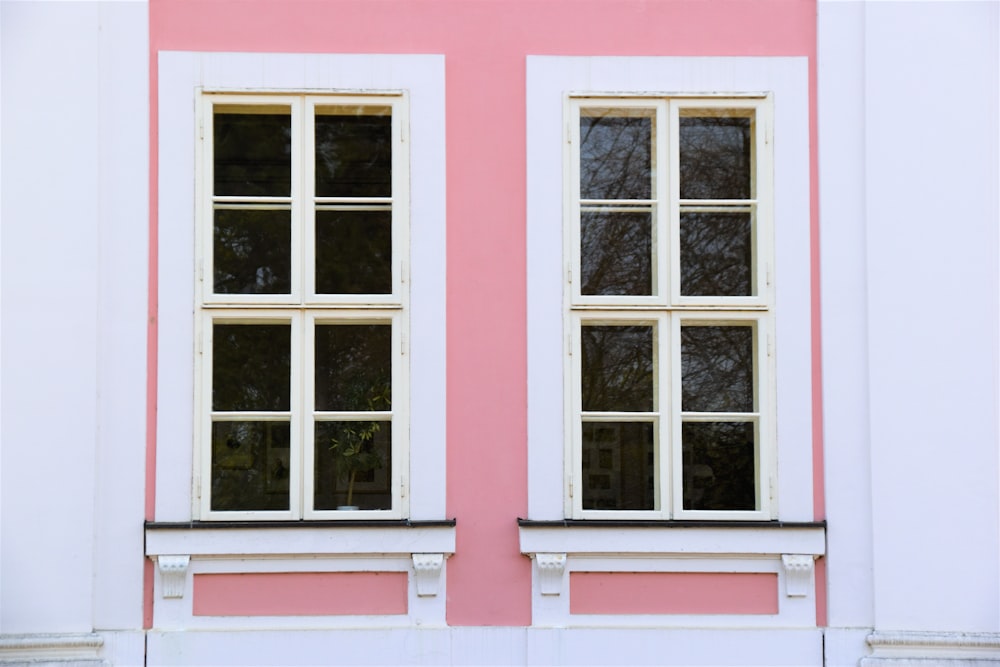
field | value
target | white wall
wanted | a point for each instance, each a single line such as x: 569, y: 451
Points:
x: 909, y: 216
x: 74, y: 257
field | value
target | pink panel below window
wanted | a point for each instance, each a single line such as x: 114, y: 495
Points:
x: 673, y: 593
x: 300, y: 593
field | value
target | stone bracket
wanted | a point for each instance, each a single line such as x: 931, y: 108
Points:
x: 427, y: 573
x: 798, y: 574
x: 173, y: 574
x: 550, y: 573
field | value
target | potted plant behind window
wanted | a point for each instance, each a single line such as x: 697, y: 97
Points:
x: 355, y: 451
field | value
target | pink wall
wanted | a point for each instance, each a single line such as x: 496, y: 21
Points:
x: 673, y: 593
x: 485, y: 43
x: 299, y: 593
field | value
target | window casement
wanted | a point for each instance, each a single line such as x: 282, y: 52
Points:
x: 303, y: 307
x: 668, y: 308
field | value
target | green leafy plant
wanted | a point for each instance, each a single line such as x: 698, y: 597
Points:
x: 355, y: 450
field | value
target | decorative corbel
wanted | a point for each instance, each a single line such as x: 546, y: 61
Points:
x: 798, y: 574
x: 550, y: 573
x: 173, y: 574
x: 427, y: 572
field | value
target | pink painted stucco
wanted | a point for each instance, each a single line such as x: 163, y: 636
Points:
x: 300, y: 593
x: 485, y: 43
x: 673, y: 593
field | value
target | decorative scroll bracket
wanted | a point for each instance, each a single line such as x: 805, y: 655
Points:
x: 173, y: 574
x: 427, y: 572
x: 550, y: 573
x: 798, y: 574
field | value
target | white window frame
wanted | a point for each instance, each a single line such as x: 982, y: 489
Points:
x: 184, y: 77
x: 666, y: 309
x: 552, y: 83
x: 302, y: 307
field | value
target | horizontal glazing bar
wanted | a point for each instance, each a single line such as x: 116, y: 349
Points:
x: 624, y: 306
x: 717, y: 202
x: 251, y: 416
x: 719, y: 416
x: 353, y: 207
x: 616, y: 209
x: 717, y: 209
x: 353, y: 200
x: 619, y: 202
x: 252, y: 207
x: 239, y: 199
x: 375, y: 415
x: 619, y: 416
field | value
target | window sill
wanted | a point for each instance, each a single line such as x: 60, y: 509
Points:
x: 602, y: 537
x: 276, y: 538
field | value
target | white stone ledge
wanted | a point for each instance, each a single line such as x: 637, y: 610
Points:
x: 646, y: 540
x: 304, y: 540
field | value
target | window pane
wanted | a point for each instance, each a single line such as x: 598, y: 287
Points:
x: 618, y: 466
x: 717, y: 368
x: 719, y: 465
x: 617, y: 369
x: 616, y: 253
x: 353, y: 151
x: 715, y: 157
x: 251, y: 367
x: 252, y: 252
x: 353, y: 252
x: 250, y: 465
x: 353, y: 465
x: 616, y: 153
x: 716, y: 254
x: 253, y: 154
x: 353, y: 367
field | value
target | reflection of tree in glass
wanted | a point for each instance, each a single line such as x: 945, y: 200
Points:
x: 353, y: 366
x: 717, y: 369
x: 353, y: 156
x: 715, y: 157
x: 615, y: 157
x: 253, y: 154
x: 252, y: 252
x: 353, y: 252
x: 249, y: 466
x: 251, y: 367
x: 719, y: 465
x: 616, y: 253
x: 617, y: 368
x: 716, y: 254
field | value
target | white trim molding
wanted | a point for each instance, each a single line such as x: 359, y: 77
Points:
x: 948, y: 649
x: 31, y: 649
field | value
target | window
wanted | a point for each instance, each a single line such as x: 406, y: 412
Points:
x: 303, y: 307
x: 669, y: 307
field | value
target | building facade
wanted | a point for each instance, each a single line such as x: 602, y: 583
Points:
x: 525, y: 332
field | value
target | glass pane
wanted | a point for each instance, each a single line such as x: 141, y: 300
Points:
x: 251, y: 367
x: 353, y: 367
x: 353, y: 252
x: 719, y: 465
x: 616, y: 253
x: 715, y: 157
x: 252, y: 252
x: 250, y: 465
x: 616, y: 153
x: 353, y: 151
x: 618, y: 466
x: 617, y: 369
x: 717, y: 368
x: 253, y: 153
x: 716, y: 254
x: 353, y: 465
